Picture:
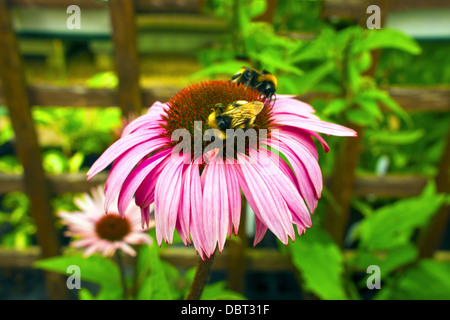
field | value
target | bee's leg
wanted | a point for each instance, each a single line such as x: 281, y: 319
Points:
x: 274, y: 100
x: 269, y: 100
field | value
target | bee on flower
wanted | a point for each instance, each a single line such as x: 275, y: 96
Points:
x: 199, y: 195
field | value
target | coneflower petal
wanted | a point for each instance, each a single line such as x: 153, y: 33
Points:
x: 272, y: 209
x: 145, y: 193
x: 126, y: 163
x: 135, y: 178
x: 234, y: 198
x: 167, y: 197
x: 289, y: 192
x: 196, y: 219
x: 119, y: 147
x: 211, y: 206
x: 219, y: 208
x: 151, y: 120
x: 298, y: 176
x: 293, y: 107
x: 306, y: 158
x: 313, y: 125
x: 260, y: 231
x: 301, y: 136
x: 184, y: 212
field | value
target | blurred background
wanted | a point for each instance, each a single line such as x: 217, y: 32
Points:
x: 72, y: 76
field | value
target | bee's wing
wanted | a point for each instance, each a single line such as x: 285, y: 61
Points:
x: 244, y: 113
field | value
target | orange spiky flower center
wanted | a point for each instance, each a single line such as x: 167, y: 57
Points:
x: 196, y: 102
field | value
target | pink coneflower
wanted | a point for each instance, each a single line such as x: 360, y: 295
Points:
x: 201, y: 197
x: 105, y: 232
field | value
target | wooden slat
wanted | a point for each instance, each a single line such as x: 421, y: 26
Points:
x: 343, y: 184
x: 412, y: 99
x: 57, y: 3
x: 81, y: 96
x: 343, y: 8
x: 168, y: 6
x: 395, y: 186
x: 256, y: 259
x: 415, y: 99
x: 126, y: 55
x: 431, y: 237
x: 356, y: 9
x: 27, y: 148
x: 155, y: 6
x: 57, y: 183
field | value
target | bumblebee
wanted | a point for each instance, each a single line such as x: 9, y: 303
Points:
x: 240, y: 114
x: 263, y: 81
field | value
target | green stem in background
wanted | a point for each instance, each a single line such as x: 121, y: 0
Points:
x: 200, y: 278
x: 238, y: 24
x: 122, y: 274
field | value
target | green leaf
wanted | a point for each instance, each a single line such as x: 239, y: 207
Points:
x: 387, y: 38
x: 151, y: 278
x: 55, y: 162
x: 96, y: 269
x: 336, y: 106
x: 370, y: 106
x: 75, y: 162
x: 388, y: 102
x: 313, y: 77
x: 225, y: 67
x: 85, y: 294
x: 387, y: 260
x: 10, y: 164
x: 429, y: 280
x: 360, y: 117
x: 353, y: 75
x: 320, y: 262
x: 218, y: 291
x: 256, y: 8
x: 393, y: 225
x: 405, y: 137
x: 106, y: 79
x: 364, y: 61
x: 316, y: 50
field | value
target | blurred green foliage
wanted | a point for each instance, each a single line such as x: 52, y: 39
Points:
x: 152, y: 278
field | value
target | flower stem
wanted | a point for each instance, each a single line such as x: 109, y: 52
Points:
x: 122, y: 274
x: 200, y: 278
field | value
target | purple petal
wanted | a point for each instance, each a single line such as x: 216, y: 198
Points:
x: 145, y: 193
x: 150, y: 121
x: 184, y: 213
x: 126, y: 163
x: 270, y: 206
x: 135, y: 178
x: 167, y: 197
x: 260, y: 231
x: 307, y: 159
x: 118, y: 148
x: 293, y: 107
x: 234, y: 198
x: 196, y: 219
x: 285, y: 186
x: 313, y: 125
